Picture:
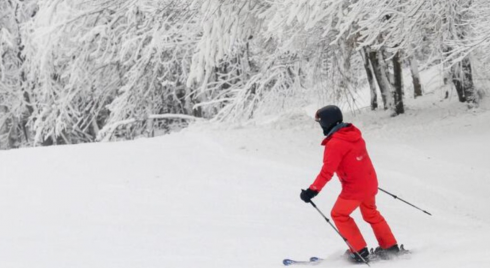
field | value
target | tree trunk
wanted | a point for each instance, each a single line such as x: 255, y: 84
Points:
x: 4, y: 131
x: 398, y: 81
x: 14, y: 137
x: 370, y: 77
x: 462, y: 77
x: 390, y: 76
x: 382, y: 79
x: 417, y: 86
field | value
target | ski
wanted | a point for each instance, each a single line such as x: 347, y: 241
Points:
x: 313, y: 260
x: 373, y: 257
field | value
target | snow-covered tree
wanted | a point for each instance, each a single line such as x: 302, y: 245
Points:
x: 15, y: 103
x: 228, y: 58
x: 78, y: 71
x: 94, y: 64
x: 459, y: 22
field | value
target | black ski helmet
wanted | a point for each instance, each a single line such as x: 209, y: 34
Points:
x: 328, y: 117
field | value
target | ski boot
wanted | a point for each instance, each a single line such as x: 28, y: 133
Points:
x: 356, y: 257
x: 387, y: 253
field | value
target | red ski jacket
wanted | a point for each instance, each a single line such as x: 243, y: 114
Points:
x: 346, y: 154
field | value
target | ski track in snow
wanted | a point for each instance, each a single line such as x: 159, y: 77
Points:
x: 209, y: 197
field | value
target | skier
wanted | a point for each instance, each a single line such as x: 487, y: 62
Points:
x: 346, y: 154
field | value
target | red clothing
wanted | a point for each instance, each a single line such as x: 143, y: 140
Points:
x: 347, y: 226
x: 346, y: 154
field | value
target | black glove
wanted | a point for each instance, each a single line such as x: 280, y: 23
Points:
x: 307, y: 195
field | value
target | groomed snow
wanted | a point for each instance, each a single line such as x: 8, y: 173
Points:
x: 211, y: 197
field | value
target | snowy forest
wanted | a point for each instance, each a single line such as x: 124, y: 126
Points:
x: 75, y: 71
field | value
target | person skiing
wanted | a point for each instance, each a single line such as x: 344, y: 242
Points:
x: 346, y: 155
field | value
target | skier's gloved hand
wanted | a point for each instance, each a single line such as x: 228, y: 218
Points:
x: 308, y: 194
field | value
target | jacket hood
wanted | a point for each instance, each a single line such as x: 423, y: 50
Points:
x: 349, y: 133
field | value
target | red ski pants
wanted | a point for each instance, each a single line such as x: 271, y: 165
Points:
x: 347, y: 226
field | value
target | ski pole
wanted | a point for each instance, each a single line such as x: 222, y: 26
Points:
x: 345, y: 239
x: 396, y: 197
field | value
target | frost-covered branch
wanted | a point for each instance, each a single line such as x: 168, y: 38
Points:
x: 107, y: 132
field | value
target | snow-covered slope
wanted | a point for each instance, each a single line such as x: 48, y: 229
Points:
x: 211, y: 197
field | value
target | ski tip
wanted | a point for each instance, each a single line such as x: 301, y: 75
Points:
x: 314, y: 259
